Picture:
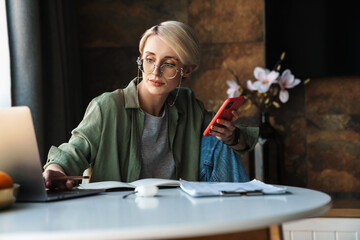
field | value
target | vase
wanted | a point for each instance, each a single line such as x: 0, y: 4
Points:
x: 267, y: 159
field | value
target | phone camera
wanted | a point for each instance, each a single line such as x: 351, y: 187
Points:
x: 229, y: 105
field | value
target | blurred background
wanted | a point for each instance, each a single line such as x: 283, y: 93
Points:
x: 319, y: 125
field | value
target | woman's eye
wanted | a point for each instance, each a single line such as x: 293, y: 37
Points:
x: 149, y: 60
x: 169, y: 65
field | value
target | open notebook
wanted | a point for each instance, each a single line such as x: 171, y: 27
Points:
x: 117, y: 185
x: 19, y: 157
x: 194, y: 189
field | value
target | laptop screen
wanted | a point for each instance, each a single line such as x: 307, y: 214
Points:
x: 19, y: 154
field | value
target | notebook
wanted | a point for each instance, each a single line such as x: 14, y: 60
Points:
x: 19, y: 157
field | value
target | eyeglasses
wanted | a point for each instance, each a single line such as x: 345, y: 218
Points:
x: 167, y: 70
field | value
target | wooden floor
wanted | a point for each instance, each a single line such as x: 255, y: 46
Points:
x: 344, y: 208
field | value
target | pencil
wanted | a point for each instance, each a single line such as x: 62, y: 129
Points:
x: 69, y: 178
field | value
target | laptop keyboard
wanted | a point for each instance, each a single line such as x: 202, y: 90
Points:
x: 60, y: 194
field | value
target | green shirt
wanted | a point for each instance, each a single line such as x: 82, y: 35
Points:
x: 109, y: 136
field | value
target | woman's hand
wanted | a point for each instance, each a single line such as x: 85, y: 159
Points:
x: 55, y: 171
x: 226, y: 132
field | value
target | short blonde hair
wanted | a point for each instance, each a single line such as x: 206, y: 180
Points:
x: 180, y: 37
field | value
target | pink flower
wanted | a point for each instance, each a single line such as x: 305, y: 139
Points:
x: 286, y: 81
x: 233, y: 90
x: 265, y: 79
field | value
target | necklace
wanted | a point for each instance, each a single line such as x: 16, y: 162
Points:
x: 177, y: 93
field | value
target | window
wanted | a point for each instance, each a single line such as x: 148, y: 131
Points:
x: 5, y: 83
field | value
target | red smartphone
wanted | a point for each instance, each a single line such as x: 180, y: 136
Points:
x: 225, y: 112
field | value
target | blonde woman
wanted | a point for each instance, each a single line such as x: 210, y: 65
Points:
x: 153, y: 127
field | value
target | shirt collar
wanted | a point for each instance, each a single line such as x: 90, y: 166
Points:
x: 131, y: 95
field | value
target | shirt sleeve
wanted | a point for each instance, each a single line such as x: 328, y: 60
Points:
x: 77, y: 154
x: 251, y: 135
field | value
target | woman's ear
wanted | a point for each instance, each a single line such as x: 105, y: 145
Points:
x: 188, y: 70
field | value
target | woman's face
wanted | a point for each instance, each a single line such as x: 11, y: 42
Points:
x: 159, y: 53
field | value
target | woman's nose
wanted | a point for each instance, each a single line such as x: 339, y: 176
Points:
x: 157, y: 71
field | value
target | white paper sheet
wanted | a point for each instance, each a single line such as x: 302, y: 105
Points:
x: 198, y: 189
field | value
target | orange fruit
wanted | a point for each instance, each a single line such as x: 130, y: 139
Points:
x: 5, y: 180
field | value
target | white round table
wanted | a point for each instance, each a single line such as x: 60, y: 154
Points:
x: 171, y: 214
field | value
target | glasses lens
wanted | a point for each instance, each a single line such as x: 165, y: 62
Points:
x: 147, y: 66
x: 168, y: 71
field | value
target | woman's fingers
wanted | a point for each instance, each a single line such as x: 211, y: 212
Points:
x: 69, y: 184
x: 50, y: 176
x: 225, y: 130
x: 236, y: 115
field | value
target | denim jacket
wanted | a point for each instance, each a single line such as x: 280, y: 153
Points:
x: 219, y: 163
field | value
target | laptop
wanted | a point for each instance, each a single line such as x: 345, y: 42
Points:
x: 19, y: 157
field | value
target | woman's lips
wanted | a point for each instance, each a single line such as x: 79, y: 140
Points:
x: 156, y: 83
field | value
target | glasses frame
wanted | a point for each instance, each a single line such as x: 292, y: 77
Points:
x: 139, y: 62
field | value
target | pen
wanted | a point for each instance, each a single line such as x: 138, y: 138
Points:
x: 69, y: 178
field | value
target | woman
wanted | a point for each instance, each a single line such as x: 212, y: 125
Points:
x: 152, y: 128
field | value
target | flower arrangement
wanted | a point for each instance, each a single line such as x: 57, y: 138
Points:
x: 268, y: 89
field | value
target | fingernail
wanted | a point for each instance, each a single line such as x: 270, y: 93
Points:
x: 48, y: 184
x: 218, y: 120
x: 212, y: 127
